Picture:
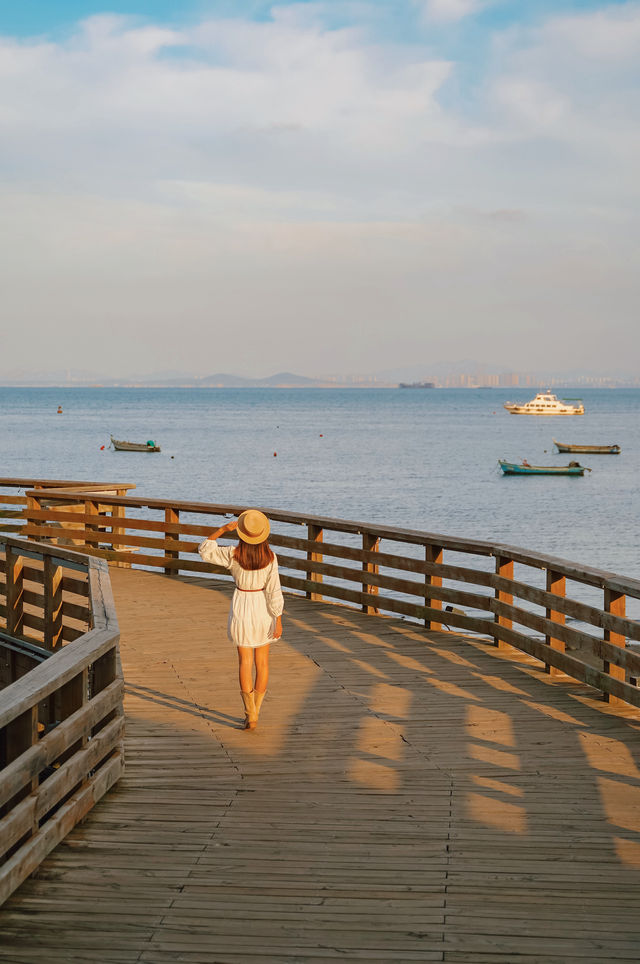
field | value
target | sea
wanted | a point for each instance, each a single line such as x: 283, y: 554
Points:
x: 423, y: 459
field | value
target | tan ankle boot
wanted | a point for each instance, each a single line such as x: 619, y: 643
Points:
x: 259, y: 697
x: 250, y: 714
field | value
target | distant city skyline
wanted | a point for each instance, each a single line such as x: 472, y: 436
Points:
x: 319, y: 187
x: 445, y: 378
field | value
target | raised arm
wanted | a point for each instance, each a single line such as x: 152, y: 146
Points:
x: 227, y: 527
x: 210, y: 551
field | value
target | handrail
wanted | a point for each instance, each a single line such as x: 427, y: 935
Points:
x: 587, y: 574
x: 12, y: 515
x: 494, y: 591
x: 31, y: 483
x: 61, y: 721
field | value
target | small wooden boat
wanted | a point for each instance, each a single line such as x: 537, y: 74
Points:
x: 588, y: 449
x: 523, y: 468
x: 120, y: 446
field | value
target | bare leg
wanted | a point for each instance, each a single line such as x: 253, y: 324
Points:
x: 245, y: 668
x: 262, y: 667
x: 245, y: 675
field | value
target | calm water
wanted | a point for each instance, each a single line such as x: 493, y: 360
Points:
x: 422, y: 459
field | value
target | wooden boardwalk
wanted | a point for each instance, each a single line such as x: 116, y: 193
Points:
x: 406, y: 797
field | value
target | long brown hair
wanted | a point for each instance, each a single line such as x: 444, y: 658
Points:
x: 253, y: 556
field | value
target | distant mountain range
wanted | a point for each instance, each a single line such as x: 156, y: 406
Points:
x: 170, y: 379
x: 223, y: 380
x: 443, y: 374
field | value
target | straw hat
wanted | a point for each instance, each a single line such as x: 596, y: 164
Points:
x: 253, y: 526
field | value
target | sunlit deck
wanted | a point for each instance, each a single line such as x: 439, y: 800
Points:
x: 407, y: 797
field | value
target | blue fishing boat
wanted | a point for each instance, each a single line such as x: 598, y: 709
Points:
x: 523, y: 468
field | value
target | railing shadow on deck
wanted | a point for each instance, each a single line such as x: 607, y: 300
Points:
x: 393, y: 709
x: 524, y: 752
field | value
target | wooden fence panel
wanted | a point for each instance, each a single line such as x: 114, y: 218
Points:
x: 61, y: 723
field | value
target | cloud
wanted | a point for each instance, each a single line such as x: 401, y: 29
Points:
x: 448, y: 11
x: 275, y: 99
x: 609, y: 35
x: 274, y: 174
x: 574, y: 80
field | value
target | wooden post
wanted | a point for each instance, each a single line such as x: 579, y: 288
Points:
x: 90, y: 508
x: 117, y: 529
x: 52, y: 587
x: 557, y: 585
x: 314, y: 534
x: 171, y: 516
x: 103, y: 672
x: 614, y: 603
x: 370, y: 543
x: 432, y: 554
x: 34, y: 504
x: 20, y: 734
x: 504, y: 568
x: 14, y: 592
x: 69, y: 698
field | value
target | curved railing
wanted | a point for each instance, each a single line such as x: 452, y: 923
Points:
x: 571, y: 617
x: 61, y: 716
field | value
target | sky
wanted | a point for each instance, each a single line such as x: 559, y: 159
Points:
x: 329, y: 187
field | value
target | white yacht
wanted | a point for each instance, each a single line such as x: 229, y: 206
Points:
x: 545, y: 404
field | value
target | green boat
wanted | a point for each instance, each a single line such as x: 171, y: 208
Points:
x: 523, y: 468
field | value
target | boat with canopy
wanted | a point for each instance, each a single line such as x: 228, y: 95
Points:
x: 545, y: 403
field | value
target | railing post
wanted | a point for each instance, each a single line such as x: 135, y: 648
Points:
x: 118, y: 513
x: 504, y: 569
x: 432, y: 554
x: 52, y: 588
x: 21, y: 733
x: 614, y: 603
x: 69, y: 698
x: 556, y: 584
x: 103, y: 673
x: 34, y: 504
x: 314, y: 534
x: 171, y: 516
x: 90, y: 508
x: 370, y: 543
x: 14, y: 592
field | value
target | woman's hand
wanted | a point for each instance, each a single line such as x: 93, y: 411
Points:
x: 227, y: 527
x: 277, y: 632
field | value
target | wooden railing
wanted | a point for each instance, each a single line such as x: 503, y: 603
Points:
x: 13, y: 504
x: 61, y: 717
x: 571, y: 617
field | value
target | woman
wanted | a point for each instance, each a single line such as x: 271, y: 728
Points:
x: 255, y: 617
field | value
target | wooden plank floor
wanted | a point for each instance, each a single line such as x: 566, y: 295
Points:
x: 406, y: 797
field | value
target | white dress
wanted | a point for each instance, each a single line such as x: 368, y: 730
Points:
x: 257, y: 601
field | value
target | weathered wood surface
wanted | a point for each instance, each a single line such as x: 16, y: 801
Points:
x: 407, y: 796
